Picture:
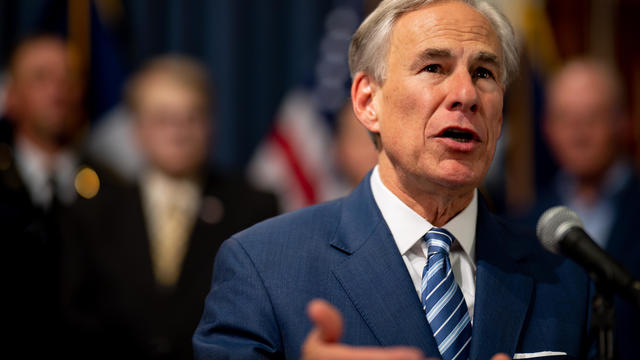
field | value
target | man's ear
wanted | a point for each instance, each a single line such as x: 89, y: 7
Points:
x: 363, y: 91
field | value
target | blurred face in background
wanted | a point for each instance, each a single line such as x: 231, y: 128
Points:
x: 583, y: 124
x: 355, y: 153
x: 173, y: 125
x: 43, y: 96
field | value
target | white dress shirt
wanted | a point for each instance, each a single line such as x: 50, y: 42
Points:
x: 408, y: 228
x: 170, y: 207
x: 36, y: 168
x: 597, y: 214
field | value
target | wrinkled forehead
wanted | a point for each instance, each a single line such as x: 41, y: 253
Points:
x: 447, y: 25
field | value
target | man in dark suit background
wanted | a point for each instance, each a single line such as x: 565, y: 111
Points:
x: 587, y: 128
x: 138, y: 259
x: 39, y: 159
x: 428, y: 83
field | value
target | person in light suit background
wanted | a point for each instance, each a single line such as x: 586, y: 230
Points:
x: 137, y: 258
x: 587, y: 129
x: 428, y: 82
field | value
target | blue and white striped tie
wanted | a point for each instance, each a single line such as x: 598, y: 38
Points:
x: 442, y: 299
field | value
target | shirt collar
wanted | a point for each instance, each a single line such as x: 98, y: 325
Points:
x: 408, y: 228
x: 614, y: 180
x: 162, y: 190
x: 36, y: 167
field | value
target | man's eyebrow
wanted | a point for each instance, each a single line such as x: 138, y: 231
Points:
x: 430, y: 54
x: 435, y: 53
x: 487, y: 57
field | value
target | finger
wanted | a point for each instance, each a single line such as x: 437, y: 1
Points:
x: 500, y: 357
x: 327, y: 320
x: 344, y: 352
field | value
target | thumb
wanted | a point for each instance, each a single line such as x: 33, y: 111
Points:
x: 500, y: 357
x: 326, y: 319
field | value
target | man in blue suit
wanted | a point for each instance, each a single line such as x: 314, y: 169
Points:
x: 412, y: 263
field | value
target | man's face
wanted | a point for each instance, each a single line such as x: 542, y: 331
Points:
x: 173, y: 126
x: 43, y: 95
x: 439, y: 110
x: 582, y: 125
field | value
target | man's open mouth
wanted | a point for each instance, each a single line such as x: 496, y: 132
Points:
x: 459, y: 135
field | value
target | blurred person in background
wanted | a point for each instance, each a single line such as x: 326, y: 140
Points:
x: 138, y: 259
x: 354, y: 153
x: 586, y: 127
x: 39, y: 158
x: 43, y: 107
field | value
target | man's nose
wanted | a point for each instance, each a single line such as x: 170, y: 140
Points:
x: 463, y: 95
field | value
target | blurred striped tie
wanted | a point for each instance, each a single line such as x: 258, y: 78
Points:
x: 442, y: 299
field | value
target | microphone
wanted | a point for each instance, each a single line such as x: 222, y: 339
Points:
x: 560, y: 231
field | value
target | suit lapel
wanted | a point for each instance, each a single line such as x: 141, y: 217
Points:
x: 384, y: 296
x: 139, y: 239
x: 503, y: 292
x: 382, y: 291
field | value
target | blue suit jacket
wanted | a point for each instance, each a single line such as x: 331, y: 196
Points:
x: 527, y: 300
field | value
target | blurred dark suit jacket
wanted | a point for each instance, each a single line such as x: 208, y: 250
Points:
x: 30, y: 261
x: 113, y: 306
x: 623, y: 245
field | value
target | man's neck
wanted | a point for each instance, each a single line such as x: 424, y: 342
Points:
x: 434, y: 203
x: 50, y: 147
x: 608, y: 182
x: 588, y: 191
x: 194, y: 176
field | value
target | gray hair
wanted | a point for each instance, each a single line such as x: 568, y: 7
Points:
x: 370, y: 44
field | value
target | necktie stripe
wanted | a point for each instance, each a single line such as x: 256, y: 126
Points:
x: 439, y: 232
x: 436, y: 288
x: 442, y: 300
x: 464, y: 347
x: 449, y: 309
x: 454, y: 334
x: 440, y: 292
x: 449, y: 318
x: 436, y: 267
x: 434, y: 244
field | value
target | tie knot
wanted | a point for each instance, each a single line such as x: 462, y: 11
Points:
x: 438, y: 240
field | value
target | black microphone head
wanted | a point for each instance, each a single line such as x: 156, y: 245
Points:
x: 553, y: 225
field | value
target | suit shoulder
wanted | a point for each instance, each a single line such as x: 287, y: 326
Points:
x: 535, y: 259
x: 517, y: 230
x: 314, y: 222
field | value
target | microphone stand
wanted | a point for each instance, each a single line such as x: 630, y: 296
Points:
x: 602, y: 323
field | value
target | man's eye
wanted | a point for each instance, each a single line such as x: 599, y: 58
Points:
x: 433, y: 68
x: 482, y: 73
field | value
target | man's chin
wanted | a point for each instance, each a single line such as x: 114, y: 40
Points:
x: 458, y: 173
x: 460, y: 181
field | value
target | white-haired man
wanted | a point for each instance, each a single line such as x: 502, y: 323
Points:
x: 411, y: 264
